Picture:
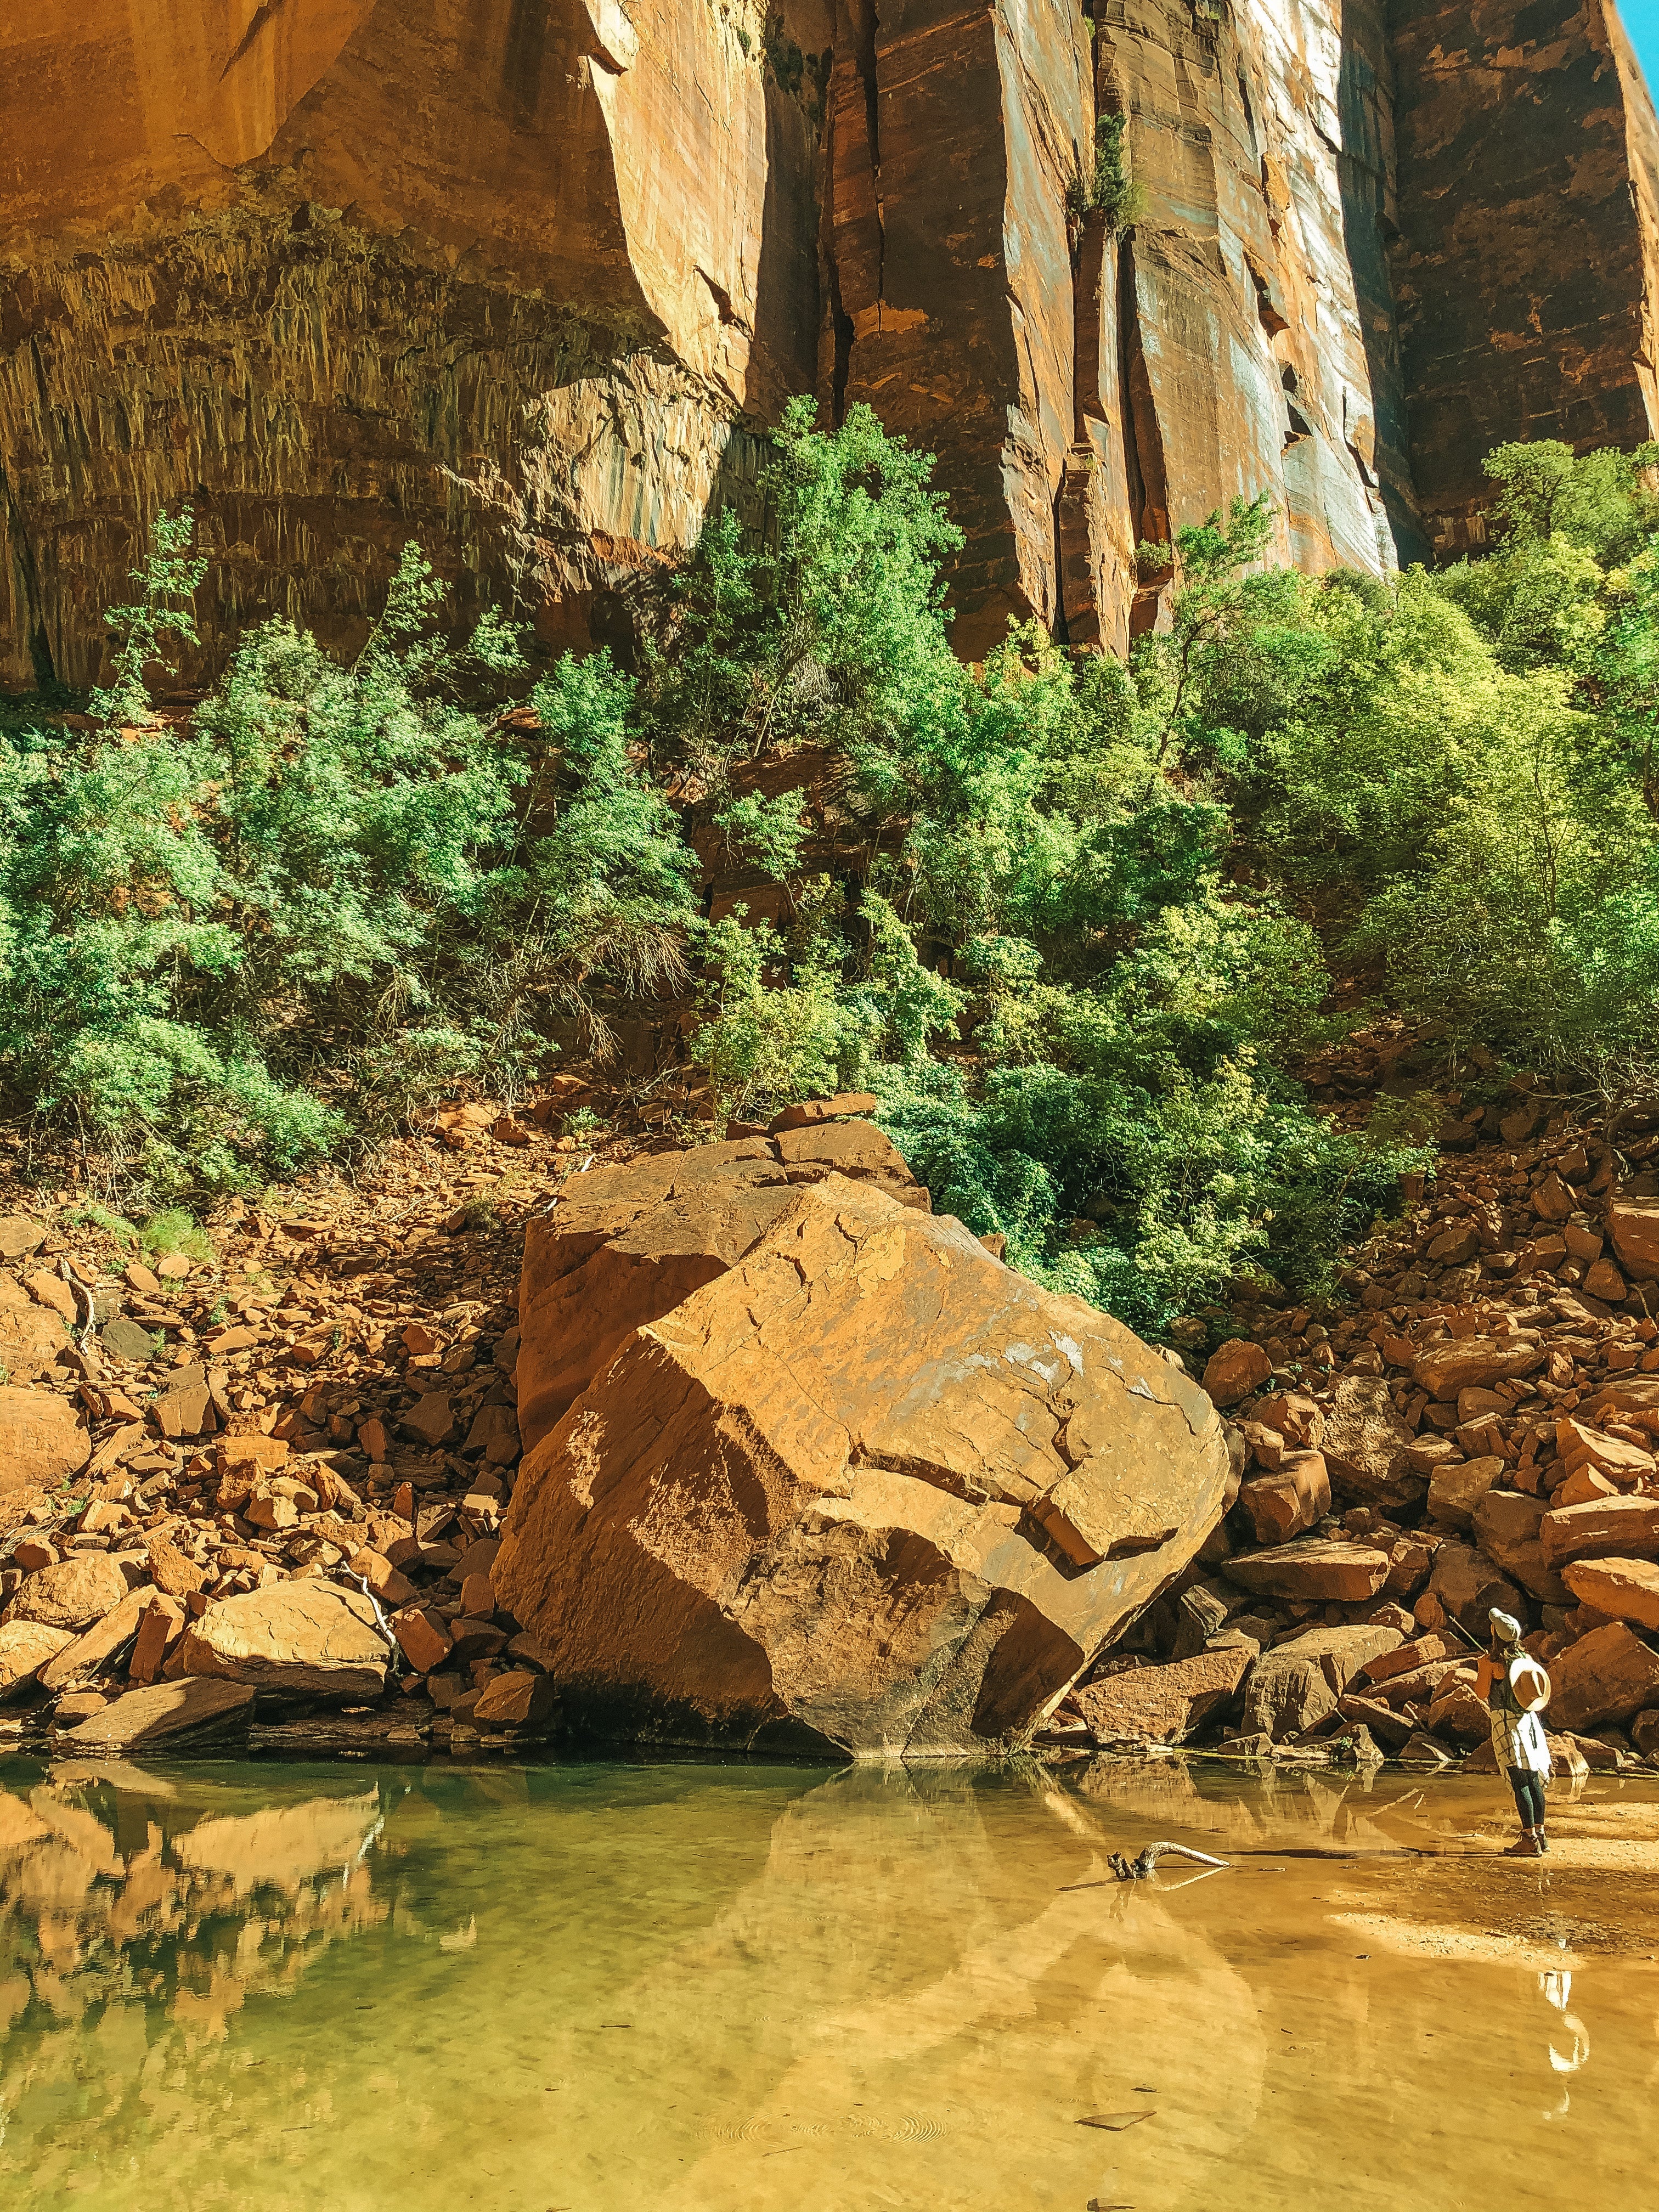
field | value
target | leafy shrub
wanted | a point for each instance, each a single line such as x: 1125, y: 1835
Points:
x: 1070, y: 920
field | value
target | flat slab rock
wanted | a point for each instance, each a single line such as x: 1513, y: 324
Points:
x: 307, y: 1639
x: 865, y: 1489
x: 169, y: 1713
x: 626, y: 1244
x: 1313, y: 1569
x: 41, y: 1440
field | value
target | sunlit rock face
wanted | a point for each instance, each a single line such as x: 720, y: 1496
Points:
x: 1528, y: 166
x: 524, y: 279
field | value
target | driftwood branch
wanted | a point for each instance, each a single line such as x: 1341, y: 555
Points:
x: 1138, y: 1868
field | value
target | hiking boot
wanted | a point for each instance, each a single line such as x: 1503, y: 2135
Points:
x: 1543, y: 1840
x: 1525, y: 1846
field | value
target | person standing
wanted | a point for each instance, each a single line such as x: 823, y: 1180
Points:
x: 1516, y: 1689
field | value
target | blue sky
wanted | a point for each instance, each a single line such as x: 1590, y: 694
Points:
x: 1642, y: 21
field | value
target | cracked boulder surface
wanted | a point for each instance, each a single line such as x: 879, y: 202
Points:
x: 626, y: 1243
x: 526, y: 282
x: 865, y: 1489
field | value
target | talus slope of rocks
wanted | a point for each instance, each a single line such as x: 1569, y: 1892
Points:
x: 1478, y: 1427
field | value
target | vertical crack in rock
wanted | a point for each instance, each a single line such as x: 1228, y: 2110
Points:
x: 545, y: 337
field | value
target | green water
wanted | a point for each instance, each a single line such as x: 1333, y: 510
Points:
x: 600, y: 1987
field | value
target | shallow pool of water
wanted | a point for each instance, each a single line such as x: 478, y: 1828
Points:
x: 598, y: 1988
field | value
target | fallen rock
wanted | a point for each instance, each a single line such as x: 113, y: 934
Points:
x: 1579, y: 1444
x: 1366, y: 1444
x: 1422, y: 1750
x: 1411, y: 1561
x: 31, y: 1339
x: 1290, y: 1500
x: 86, y: 1653
x: 748, y: 1530
x: 1607, y: 1675
x: 1633, y: 1225
x: 431, y: 1419
x: 1391, y: 1730
x: 160, y: 1626
x: 1405, y: 1658
x: 1312, y: 1568
x: 1644, y: 1732
x: 167, y: 1715
x: 521, y: 1699
x: 1457, y: 1486
x: 810, y: 1113
x: 1623, y: 1589
x: 1297, y: 1684
x: 1582, y: 1485
x: 388, y: 1584
x: 1506, y: 1523
x: 1468, y: 1585
x: 71, y: 1594
x: 1602, y: 1528
x: 1165, y: 1704
x: 41, y: 1443
x: 305, y: 1638
x: 25, y: 1648
x: 1459, y: 1713
x: 125, y: 1339
x: 1454, y: 1363
x: 629, y: 1243
x: 1235, y: 1370
x: 421, y: 1636
x: 20, y: 1236
x: 172, y: 1570
x: 493, y: 1435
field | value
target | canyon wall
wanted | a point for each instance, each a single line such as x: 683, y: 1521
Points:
x: 525, y: 279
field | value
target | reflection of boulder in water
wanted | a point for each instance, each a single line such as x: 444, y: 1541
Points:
x: 115, y: 1888
x: 284, y: 1845
x: 916, y: 1965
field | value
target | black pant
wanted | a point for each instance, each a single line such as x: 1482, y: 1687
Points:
x: 1529, y: 1789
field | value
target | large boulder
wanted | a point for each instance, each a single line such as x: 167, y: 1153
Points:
x: 1165, y: 1704
x: 1622, y: 1589
x: 41, y: 1442
x: 1506, y: 1524
x: 867, y: 1488
x: 1602, y: 1528
x: 1365, y: 1442
x: 25, y: 1648
x: 1297, y: 1684
x: 73, y: 1594
x: 624, y: 1245
x: 1607, y: 1675
x: 302, y: 1639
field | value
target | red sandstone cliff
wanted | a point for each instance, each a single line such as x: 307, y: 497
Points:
x: 524, y: 278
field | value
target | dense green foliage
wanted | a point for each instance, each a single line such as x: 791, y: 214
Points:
x: 1058, y: 913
